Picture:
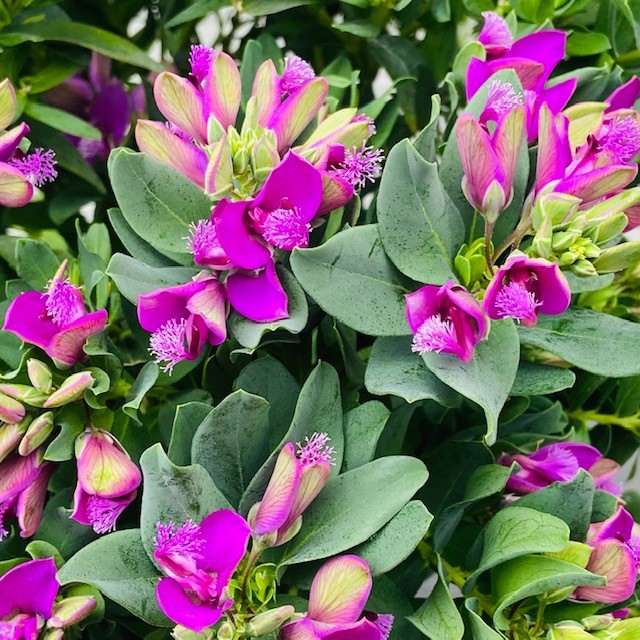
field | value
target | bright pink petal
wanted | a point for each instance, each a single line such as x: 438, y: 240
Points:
x: 67, y: 345
x: 15, y: 189
x: 599, y: 182
x: 158, y: 307
x: 223, y: 90
x: 293, y: 116
x: 363, y: 629
x: 303, y: 629
x: 613, y: 560
x: 30, y: 588
x: 80, y: 506
x: 31, y: 502
x: 336, y: 192
x: 260, y: 298
x: 177, y: 606
x: 340, y: 590
x: 10, y: 140
x: 211, y: 305
x: 155, y: 139
x: 239, y: 243
x: 181, y: 104
x: 295, y: 180
x: 546, y: 47
x: 226, y: 535
x: 27, y: 318
x: 619, y: 526
x: 266, y: 91
x: 421, y: 305
x: 624, y: 97
x: 507, y: 142
x: 554, y: 152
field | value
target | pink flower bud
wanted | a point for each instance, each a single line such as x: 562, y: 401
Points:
x: 39, y: 375
x: 37, y: 433
x: 71, y: 390
x: 11, y: 410
x: 71, y: 610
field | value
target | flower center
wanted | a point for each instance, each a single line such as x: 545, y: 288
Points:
x: 502, y: 97
x: 184, y: 540
x: 38, y: 167
x: 168, y: 344
x: 435, y: 334
x: 200, y: 60
x: 315, y: 449
x: 296, y: 72
x: 359, y: 165
x: 202, y: 240
x: 285, y: 229
x: 64, y: 302
x: 622, y: 140
x: 103, y: 513
x: 515, y: 301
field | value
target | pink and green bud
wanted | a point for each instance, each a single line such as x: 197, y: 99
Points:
x: 11, y: 410
x: 37, y: 433
x: 8, y: 104
x: 40, y: 375
x: 71, y: 611
x: 524, y: 287
x: 11, y: 435
x: 299, y: 475
x: 108, y: 480
x: 24, y: 393
x: 269, y: 621
x: 71, y: 390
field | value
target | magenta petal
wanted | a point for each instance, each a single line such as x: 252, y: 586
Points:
x: 226, y: 535
x: 421, y: 305
x: 554, y: 292
x: 296, y: 180
x: 598, y: 183
x: 336, y: 192
x: 211, y: 305
x: 26, y: 317
x: 10, y: 140
x: 178, y: 607
x: 303, y: 629
x: 363, y: 629
x: 546, y: 47
x: 30, y: 588
x: 80, y: 505
x: 624, y: 97
x: 260, y: 298
x: 585, y: 454
x: 554, y: 151
x: 619, y: 526
x: 241, y: 246
x: 559, y: 95
x: 99, y: 70
x: 66, y: 346
x: 158, y: 307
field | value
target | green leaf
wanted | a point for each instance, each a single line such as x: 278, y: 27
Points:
x: 536, y: 11
x: 352, y: 279
x: 83, y: 35
x: 425, y: 142
x: 157, y: 202
x: 174, y: 494
x: 270, y: 379
x: 438, y: 618
x: 530, y: 575
x: 118, y: 566
x: 249, y: 333
x: 339, y: 518
x: 71, y: 420
x: 185, y: 424
x: 232, y: 442
x: 394, y: 369
x: 419, y: 226
x: 319, y: 410
x: 569, y: 501
x: 268, y: 7
x: 134, y: 278
x: 360, y: 28
x: 534, y: 379
x: 587, y: 43
x: 479, y: 628
x: 488, y: 378
x: 144, y: 382
x: 196, y: 10
x: 36, y: 264
x: 363, y: 426
x: 593, y: 341
x: 61, y: 120
x: 395, y: 542
x: 518, y: 531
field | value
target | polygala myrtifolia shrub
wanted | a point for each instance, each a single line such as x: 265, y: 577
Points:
x: 254, y: 290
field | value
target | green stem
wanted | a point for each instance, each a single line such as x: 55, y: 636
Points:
x: 256, y: 550
x: 472, y: 228
x: 488, y: 232
x: 626, y: 422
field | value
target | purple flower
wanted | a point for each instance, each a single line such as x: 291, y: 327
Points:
x: 27, y: 595
x: 489, y: 160
x: 56, y: 320
x: 182, y: 319
x: 338, y: 595
x: 615, y: 555
x: 102, y: 101
x: 359, y: 166
x: 297, y: 479
x: 23, y: 489
x: 524, y: 287
x: 108, y: 480
x: 199, y: 561
x: 625, y: 96
x: 559, y: 462
x: 446, y: 319
x: 533, y: 58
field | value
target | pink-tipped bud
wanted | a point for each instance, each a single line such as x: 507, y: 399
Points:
x: 71, y: 610
x: 40, y: 375
x: 269, y: 621
x: 10, y: 436
x: 11, y: 411
x: 37, y: 433
x: 24, y: 393
x: 71, y: 390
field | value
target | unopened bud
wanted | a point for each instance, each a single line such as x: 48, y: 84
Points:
x: 292, y: 531
x: 53, y: 634
x: 182, y: 633
x: 24, y: 393
x: 10, y: 436
x: 611, y: 227
x: 595, y: 623
x: 72, y: 389
x: 240, y: 161
x: 226, y: 631
x: 583, y: 268
x: 618, y: 258
x: 542, y: 241
x: 71, y: 610
x: 40, y: 375
x: 215, y: 130
x: 38, y: 431
x: 264, y: 156
x: 268, y: 621
x: 562, y: 240
x: 11, y: 410
x: 568, y: 631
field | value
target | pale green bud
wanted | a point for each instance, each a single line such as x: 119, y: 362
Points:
x: 11, y: 435
x: 226, y: 631
x: 11, y: 410
x: 543, y: 240
x: 182, y: 633
x: 250, y: 117
x: 71, y: 610
x: 595, y: 623
x: 584, y: 268
x: 37, y: 432
x: 611, y: 227
x: 214, y: 130
x: 71, y: 390
x: 268, y: 621
x: 618, y: 258
x: 40, y: 375
x: 24, y: 393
